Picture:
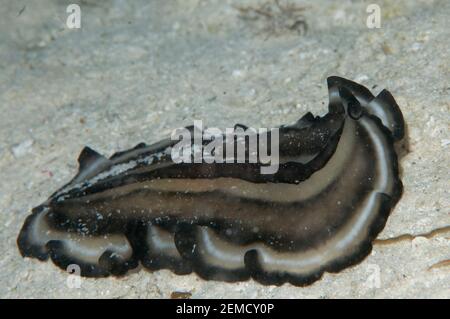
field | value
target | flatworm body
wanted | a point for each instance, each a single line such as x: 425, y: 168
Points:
x: 337, y: 183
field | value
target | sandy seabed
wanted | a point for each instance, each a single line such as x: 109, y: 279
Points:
x: 136, y: 70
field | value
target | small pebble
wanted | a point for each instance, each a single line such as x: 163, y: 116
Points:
x: 238, y: 73
x: 21, y: 149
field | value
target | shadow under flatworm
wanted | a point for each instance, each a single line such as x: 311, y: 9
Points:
x: 337, y: 182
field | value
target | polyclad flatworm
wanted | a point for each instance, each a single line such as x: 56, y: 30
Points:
x: 336, y: 183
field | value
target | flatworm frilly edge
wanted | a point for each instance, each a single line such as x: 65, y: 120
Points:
x: 337, y: 182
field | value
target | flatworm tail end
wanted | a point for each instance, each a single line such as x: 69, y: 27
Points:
x: 96, y: 256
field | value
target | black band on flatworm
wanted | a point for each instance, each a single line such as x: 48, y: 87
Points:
x: 336, y: 185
